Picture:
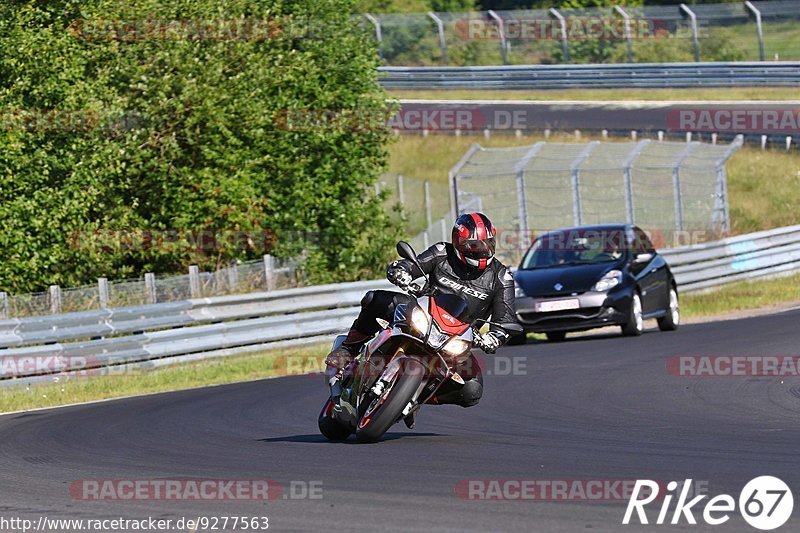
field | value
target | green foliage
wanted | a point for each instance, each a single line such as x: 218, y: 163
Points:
x: 181, y: 134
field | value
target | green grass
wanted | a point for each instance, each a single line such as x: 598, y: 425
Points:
x: 174, y: 377
x: 742, y: 296
x: 738, y: 93
x: 764, y: 186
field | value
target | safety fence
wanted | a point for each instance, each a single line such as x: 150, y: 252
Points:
x: 115, y: 340
x: 736, y: 31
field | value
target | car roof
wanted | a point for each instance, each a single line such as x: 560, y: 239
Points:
x: 595, y: 227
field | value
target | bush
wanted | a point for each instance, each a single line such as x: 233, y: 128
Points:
x: 181, y: 134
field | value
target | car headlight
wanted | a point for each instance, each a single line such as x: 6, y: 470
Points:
x: 611, y: 279
x: 455, y: 346
x: 518, y: 292
x: 419, y: 320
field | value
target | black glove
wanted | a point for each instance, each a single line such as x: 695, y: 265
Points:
x: 488, y: 342
x: 399, y: 276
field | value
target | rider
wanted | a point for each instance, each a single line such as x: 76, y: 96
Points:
x: 466, y: 266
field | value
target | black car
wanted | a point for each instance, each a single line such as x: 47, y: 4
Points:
x: 587, y: 277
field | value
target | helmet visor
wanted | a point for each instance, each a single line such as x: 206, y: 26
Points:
x: 477, y: 248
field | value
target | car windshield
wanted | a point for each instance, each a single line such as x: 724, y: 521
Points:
x: 575, y: 248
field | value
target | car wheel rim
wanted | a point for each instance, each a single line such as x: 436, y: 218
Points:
x: 673, y: 307
x: 637, y: 313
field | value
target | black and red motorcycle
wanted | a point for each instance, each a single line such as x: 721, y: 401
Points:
x: 407, y: 362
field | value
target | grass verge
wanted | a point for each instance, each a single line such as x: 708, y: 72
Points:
x: 217, y: 371
x: 737, y: 297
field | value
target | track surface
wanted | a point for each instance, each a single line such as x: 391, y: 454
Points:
x: 599, y: 407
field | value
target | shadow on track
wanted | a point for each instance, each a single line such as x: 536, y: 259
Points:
x: 316, y: 438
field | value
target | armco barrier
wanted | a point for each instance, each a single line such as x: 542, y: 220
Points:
x: 226, y: 325
x: 622, y: 75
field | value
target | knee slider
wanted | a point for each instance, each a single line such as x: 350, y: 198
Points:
x: 471, y: 393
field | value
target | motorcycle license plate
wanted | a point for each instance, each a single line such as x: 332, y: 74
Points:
x: 558, y: 305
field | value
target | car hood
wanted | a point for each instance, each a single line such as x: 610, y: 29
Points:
x: 575, y: 278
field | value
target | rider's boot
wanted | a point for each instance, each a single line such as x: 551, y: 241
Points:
x: 411, y: 419
x: 336, y: 364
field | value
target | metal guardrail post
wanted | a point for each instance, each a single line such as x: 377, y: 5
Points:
x: 378, y: 33
x: 269, y: 271
x: 194, y: 281
x: 233, y: 276
x: 749, y: 5
x: 102, y: 292
x: 452, y: 178
x: 693, y: 18
x: 676, y: 185
x: 628, y: 178
x: 575, y: 173
x: 627, y: 20
x: 442, y: 42
x: 502, y: 28
x: 3, y: 306
x: 55, y: 299
x: 150, y: 286
x: 562, y: 21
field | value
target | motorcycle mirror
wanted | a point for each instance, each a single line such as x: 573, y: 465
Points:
x: 405, y: 251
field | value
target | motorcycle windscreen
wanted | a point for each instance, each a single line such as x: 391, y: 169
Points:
x: 450, y: 312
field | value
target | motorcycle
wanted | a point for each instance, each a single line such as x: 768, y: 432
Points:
x: 405, y: 364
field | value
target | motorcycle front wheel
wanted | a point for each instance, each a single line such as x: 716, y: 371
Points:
x: 386, y: 409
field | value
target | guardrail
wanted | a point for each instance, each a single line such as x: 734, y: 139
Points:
x: 641, y: 75
x: 38, y: 348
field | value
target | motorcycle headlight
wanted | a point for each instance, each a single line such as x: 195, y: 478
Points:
x: 419, y: 320
x: 611, y: 279
x: 455, y: 346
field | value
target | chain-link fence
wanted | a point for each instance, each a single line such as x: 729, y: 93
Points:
x: 676, y: 191
x: 269, y: 273
x: 740, y: 31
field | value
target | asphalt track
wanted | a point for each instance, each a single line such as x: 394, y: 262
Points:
x: 594, y: 408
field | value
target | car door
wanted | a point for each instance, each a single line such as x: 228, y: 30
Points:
x: 650, y: 270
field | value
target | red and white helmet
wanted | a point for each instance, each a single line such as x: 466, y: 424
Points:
x: 473, y: 239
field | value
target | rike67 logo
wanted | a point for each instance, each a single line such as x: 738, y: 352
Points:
x: 765, y: 503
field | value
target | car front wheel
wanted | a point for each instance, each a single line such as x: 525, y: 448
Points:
x: 635, y: 324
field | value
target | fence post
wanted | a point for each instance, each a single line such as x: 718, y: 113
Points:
x: 3, y: 306
x: 194, y: 281
x: 563, y: 24
x: 676, y: 185
x: 757, y: 14
x: 627, y: 19
x: 445, y: 236
x: 150, y: 287
x: 693, y: 18
x: 426, y: 240
x: 628, y: 178
x: 233, y: 277
x: 427, y: 189
x: 442, y: 42
x: 55, y: 299
x: 400, y: 193
x: 522, y: 203
x: 102, y: 291
x: 269, y: 271
x: 502, y: 28
x: 452, y: 178
x: 575, y: 173
x: 378, y: 35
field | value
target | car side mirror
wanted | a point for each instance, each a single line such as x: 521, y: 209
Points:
x: 643, y: 258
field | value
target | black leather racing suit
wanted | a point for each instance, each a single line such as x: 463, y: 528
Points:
x: 488, y: 292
